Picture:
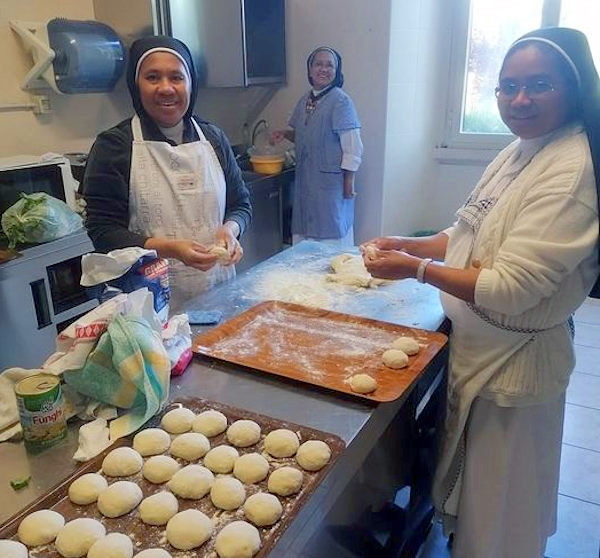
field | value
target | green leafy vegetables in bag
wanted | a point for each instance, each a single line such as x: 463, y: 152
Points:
x: 38, y: 218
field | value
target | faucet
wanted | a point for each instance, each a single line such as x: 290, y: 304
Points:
x: 257, y: 126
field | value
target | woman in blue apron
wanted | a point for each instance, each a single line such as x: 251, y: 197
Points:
x: 521, y: 257
x: 164, y: 179
x: 326, y: 131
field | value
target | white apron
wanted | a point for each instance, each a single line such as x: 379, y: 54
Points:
x: 178, y: 192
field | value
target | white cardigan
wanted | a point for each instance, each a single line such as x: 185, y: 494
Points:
x: 538, y: 249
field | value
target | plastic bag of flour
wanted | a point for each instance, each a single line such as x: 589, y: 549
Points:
x: 127, y: 270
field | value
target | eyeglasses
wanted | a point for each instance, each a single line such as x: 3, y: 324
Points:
x: 508, y: 90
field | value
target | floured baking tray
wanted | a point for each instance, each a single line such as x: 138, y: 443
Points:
x: 149, y: 536
x: 318, y: 347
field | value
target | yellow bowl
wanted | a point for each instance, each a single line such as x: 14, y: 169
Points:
x: 267, y: 165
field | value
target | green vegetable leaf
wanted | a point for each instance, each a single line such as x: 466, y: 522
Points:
x: 20, y: 483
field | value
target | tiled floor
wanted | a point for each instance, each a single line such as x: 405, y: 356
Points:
x: 578, y: 534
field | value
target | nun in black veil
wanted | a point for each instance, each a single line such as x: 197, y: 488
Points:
x: 521, y: 257
x: 165, y: 179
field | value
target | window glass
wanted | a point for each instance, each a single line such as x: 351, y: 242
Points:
x: 493, y: 28
x: 585, y: 16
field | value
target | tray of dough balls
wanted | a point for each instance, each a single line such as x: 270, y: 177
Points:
x: 208, y: 481
x: 360, y: 356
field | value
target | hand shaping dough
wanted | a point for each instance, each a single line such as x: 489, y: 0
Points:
x: 189, y: 529
x: 223, y: 255
x: 178, y: 420
x: 122, y: 462
x: 119, y: 498
x: 190, y: 446
x: 221, y: 459
x: 210, y: 423
x: 406, y: 344
x: 251, y: 468
x: 192, y: 482
x: 313, y: 455
x: 85, y: 489
x: 282, y: 443
x: 227, y: 493
x: 263, y: 509
x: 285, y: 481
x: 114, y: 545
x: 12, y: 549
x: 160, y: 468
x: 349, y: 269
x: 243, y: 433
x: 153, y: 553
x: 363, y: 383
x: 76, y: 537
x: 237, y: 540
x: 40, y: 527
x: 151, y: 441
x: 395, y: 358
x: 158, y: 508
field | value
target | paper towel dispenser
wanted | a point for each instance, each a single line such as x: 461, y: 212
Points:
x: 72, y: 56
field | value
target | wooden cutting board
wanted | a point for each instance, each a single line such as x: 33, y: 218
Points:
x: 318, y: 347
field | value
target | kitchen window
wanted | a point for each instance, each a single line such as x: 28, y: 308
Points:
x: 483, y: 32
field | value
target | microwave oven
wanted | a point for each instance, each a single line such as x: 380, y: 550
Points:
x: 28, y: 173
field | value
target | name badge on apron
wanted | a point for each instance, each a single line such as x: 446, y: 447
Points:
x: 186, y: 181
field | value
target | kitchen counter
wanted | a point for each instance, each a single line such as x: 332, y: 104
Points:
x: 363, y: 426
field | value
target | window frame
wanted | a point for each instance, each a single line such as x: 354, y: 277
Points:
x: 453, y: 139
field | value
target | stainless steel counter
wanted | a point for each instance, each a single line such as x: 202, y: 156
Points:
x: 359, y: 424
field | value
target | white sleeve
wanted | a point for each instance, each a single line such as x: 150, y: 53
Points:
x: 352, y: 149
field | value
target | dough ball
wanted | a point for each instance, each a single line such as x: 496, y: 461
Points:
x: 210, y: 423
x: 122, y: 462
x: 160, y: 468
x: 153, y: 553
x: 223, y: 255
x: 406, y: 344
x: 114, y: 545
x: 363, y: 383
x: 119, y: 498
x: 227, y: 493
x: 192, y: 482
x: 151, y: 441
x: 40, y: 527
x: 221, y: 459
x: 285, y: 481
x: 12, y: 549
x: 243, y: 433
x: 76, y: 537
x: 313, y: 455
x: 251, y: 468
x: 237, y: 540
x: 190, y: 446
x: 158, y: 508
x: 178, y: 420
x: 189, y: 529
x: 395, y: 358
x: 282, y: 443
x: 86, y: 488
x: 263, y: 509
